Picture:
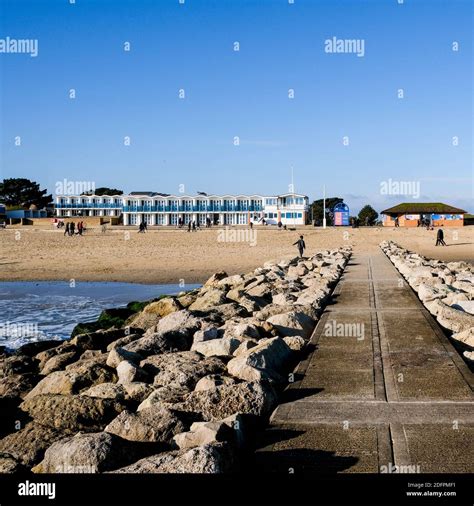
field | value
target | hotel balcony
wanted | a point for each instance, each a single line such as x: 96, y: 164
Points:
x: 191, y: 209
x: 60, y: 205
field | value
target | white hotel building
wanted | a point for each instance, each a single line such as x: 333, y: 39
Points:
x: 163, y: 210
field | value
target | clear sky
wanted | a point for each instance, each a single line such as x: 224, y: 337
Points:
x: 241, y: 93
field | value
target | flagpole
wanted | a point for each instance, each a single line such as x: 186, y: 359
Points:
x: 293, y: 190
x: 324, y: 206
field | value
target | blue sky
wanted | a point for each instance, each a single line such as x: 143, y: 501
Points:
x: 228, y: 93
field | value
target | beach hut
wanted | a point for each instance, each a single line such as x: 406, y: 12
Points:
x: 414, y: 214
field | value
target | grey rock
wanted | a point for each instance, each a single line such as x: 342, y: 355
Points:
x: 212, y: 458
x: 72, y: 412
x: 254, y: 398
x: 153, y: 425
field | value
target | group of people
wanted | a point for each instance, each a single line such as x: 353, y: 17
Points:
x: 143, y: 227
x: 192, y: 226
x: 71, y: 229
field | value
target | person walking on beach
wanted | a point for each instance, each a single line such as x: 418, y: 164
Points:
x: 79, y: 228
x: 194, y: 226
x: 72, y: 226
x: 66, y: 230
x: 251, y: 224
x: 440, y: 238
x: 300, y: 244
x: 189, y: 226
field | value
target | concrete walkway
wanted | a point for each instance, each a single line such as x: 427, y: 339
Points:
x: 382, y: 386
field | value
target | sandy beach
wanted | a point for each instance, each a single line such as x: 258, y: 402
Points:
x: 168, y: 256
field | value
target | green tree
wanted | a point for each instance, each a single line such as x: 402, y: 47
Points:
x: 23, y: 192
x: 317, y: 209
x: 104, y: 191
x: 368, y: 215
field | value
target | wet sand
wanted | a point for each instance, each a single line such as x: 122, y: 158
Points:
x: 170, y: 256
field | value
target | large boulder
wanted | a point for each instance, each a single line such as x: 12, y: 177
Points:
x: 18, y: 364
x: 211, y: 458
x: 72, y: 412
x: 202, y: 433
x: 84, y: 453
x: 36, y: 347
x: 315, y: 297
x: 453, y: 319
x: 164, y: 396
x: 272, y: 310
x: 153, y: 312
x: 231, y: 281
x: 118, y: 354
x: 293, y: 323
x: 216, y: 278
x: 58, y: 362
x: 428, y: 292
x: 59, y: 382
x: 466, y: 337
x: 72, y: 382
x: 123, y: 341
x: 159, y: 342
x: 98, y: 340
x: 283, y: 299
x: 217, y: 347
x: 295, y: 343
x: 241, y: 328
x: 213, y: 381
x: 29, y: 444
x: 262, y: 290
x: 206, y: 335
x: 210, y: 298
x: 106, y: 391
x: 156, y: 424
x: 17, y: 386
x: 464, y: 305
x: 181, y: 322
x: 137, y: 391
x: 248, y: 398
x: 220, y: 314
x: 182, y: 369
x: 264, y: 361
x: 130, y: 373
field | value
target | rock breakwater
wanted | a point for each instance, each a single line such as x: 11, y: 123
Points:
x: 179, y: 387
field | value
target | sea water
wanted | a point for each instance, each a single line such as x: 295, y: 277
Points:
x: 40, y: 310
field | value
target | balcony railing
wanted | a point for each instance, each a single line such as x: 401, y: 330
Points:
x: 190, y: 209
x: 104, y: 205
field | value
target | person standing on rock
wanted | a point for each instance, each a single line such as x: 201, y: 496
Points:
x: 440, y: 238
x: 300, y: 245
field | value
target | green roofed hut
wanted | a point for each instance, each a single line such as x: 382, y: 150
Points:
x: 413, y: 214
